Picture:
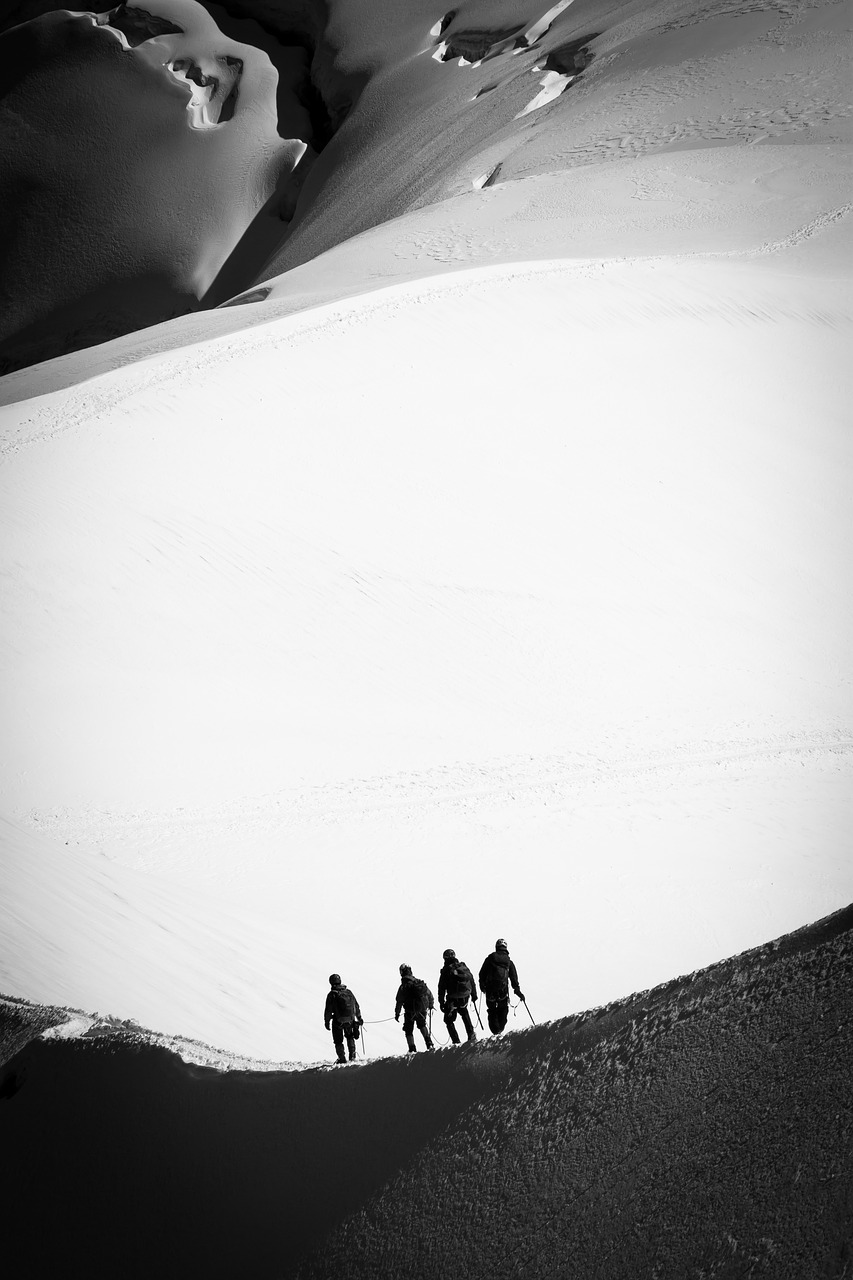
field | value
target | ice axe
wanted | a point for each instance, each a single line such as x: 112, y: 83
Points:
x: 479, y: 1019
x: 529, y: 1014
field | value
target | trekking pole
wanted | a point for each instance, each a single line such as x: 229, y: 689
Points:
x: 363, y: 1045
x: 532, y: 1019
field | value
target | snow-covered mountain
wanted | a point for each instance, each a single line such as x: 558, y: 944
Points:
x: 482, y: 570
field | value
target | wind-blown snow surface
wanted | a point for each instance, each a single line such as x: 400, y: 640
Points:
x: 392, y: 613
x: 699, y: 1129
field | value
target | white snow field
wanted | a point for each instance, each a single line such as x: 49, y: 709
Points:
x: 488, y: 577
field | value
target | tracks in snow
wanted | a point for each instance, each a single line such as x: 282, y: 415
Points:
x: 557, y: 780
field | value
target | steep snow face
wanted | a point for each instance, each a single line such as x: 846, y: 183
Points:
x: 671, y: 78
x: 406, y: 110
x: 159, y: 147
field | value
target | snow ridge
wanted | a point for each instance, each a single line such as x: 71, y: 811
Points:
x: 721, y: 1088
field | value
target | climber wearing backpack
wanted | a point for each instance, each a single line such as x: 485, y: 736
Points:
x: 344, y: 1015
x: 496, y: 973
x: 456, y: 986
x: 415, y: 998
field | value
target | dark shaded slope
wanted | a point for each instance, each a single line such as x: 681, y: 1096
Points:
x: 703, y: 1130
x: 184, y: 1171
x: 128, y: 175
x: 700, y: 1129
x: 116, y: 210
x: 421, y: 123
x: 21, y: 1022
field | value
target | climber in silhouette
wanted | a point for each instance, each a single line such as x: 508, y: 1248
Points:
x: 456, y: 986
x: 415, y: 998
x: 496, y: 973
x: 344, y: 1016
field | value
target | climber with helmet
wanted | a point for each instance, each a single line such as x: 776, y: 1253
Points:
x: 456, y: 986
x: 496, y: 973
x: 344, y: 1015
x: 415, y: 998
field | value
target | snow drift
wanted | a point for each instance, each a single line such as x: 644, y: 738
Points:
x: 700, y: 1128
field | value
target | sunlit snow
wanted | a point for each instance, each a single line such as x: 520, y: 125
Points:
x: 481, y: 574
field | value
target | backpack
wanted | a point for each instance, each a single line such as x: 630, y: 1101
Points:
x: 418, y: 996
x: 458, y: 982
x: 344, y: 1002
x: 496, y: 975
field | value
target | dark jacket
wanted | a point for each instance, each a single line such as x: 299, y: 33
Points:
x: 448, y: 989
x: 496, y: 971
x: 412, y: 997
x: 330, y: 1011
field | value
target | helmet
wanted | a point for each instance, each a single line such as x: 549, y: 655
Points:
x: 404, y: 969
x: 500, y: 945
x: 334, y: 979
x: 449, y: 954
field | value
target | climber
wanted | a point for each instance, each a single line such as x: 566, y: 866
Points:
x: 415, y: 998
x: 344, y: 1015
x: 496, y: 973
x: 456, y: 986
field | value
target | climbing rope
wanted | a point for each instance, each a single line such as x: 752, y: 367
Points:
x: 374, y: 1022
x: 435, y: 1039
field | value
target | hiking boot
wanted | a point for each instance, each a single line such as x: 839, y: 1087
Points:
x: 472, y: 1036
x: 352, y: 1056
x: 341, y: 1062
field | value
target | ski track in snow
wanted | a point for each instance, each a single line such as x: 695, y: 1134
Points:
x: 771, y: 100
x: 805, y: 233
x: 553, y: 779
x: 91, y: 403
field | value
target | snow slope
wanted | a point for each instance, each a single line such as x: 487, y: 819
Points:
x: 486, y: 577
x: 378, y: 125
x: 557, y: 657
